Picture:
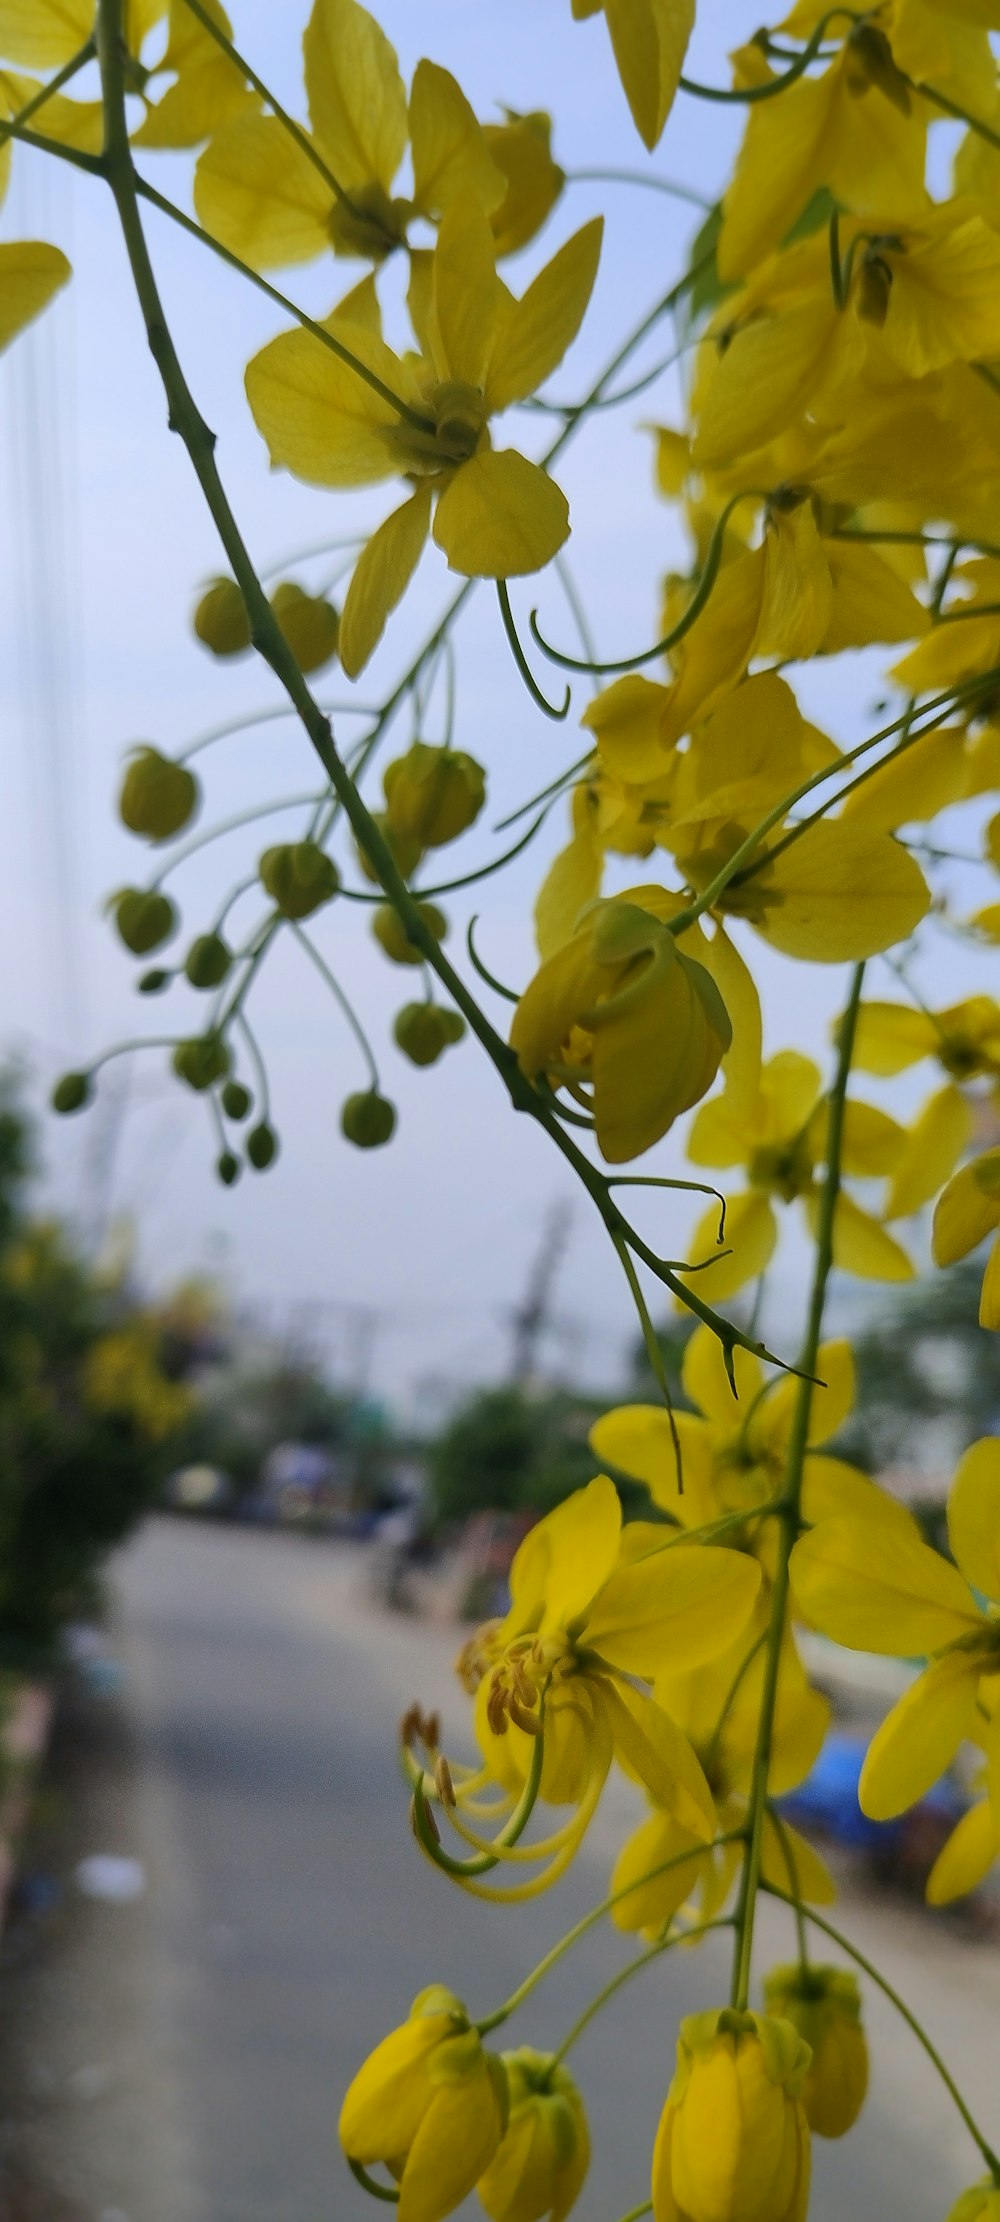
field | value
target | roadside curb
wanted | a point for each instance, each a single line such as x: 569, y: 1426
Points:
x: 24, y: 1739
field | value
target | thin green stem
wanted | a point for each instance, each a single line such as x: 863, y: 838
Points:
x: 625, y: 1975
x: 342, y: 1000
x: 257, y: 1061
x: 788, y: 1511
x: 12, y: 125
x: 639, y: 177
x: 653, y: 1353
x: 230, y: 825
x: 521, y: 660
x: 635, y: 2214
x: 906, y: 2014
x: 750, y: 95
x: 267, y: 717
x: 702, y: 591
x: 78, y: 159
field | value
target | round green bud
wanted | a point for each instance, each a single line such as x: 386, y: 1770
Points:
x: 153, y: 983
x: 262, y: 1147
x: 207, y: 961
x: 404, y: 850
x: 299, y: 877
x: 157, y: 796
x: 222, y: 620
x: 310, y: 624
x: 433, y: 794
x: 71, y: 1092
x: 422, y: 1031
x: 144, y: 918
x: 201, y: 1060
x: 228, y: 1168
x: 389, y: 930
x: 367, y: 1120
x: 236, y: 1100
x: 453, y: 1025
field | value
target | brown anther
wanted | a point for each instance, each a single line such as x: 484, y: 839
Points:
x: 526, y: 1689
x: 528, y: 1721
x: 431, y: 1730
x: 443, y: 1782
x: 409, y: 1727
x: 496, y: 1709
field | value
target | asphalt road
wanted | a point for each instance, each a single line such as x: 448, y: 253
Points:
x: 289, y: 1919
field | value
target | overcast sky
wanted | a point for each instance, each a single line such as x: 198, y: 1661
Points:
x: 107, y: 542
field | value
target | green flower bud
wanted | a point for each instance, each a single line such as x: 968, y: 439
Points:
x: 311, y: 625
x: 144, y: 918
x: 368, y: 1120
x: 207, y: 961
x: 236, y: 1100
x: 222, y: 620
x: 433, y: 794
x: 389, y: 930
x: 404, y: 850
x: 157, y: 796
x: 228, y: 1168
x: 299, y: 877
x: 153, y: 983
x: 539, y: 2167
x: 824, y: 2005
x: 201, y: 1060
x: 262, y: 1147
x: 71, y: 1092
x: 423, y: 1031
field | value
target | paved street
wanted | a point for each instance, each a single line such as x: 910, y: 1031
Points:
x: 187, y: 2053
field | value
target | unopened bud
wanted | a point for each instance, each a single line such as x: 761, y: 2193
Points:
x: 144, y: 918
x: 433, y: 794
x: 236, y: 1100
x: 404, y: 849
x: 299, y: 877
x: 154, y: 982
x: 262, y: 1147
x: 207, y: 961
x: 869, y: 61
x: 228, y: 1168
x: 71, y: 1092
x: 390, y: 932
x: 309, y: 623
x: 222, y: 620
x: 423, y: 1031
x: 201, y: 1061
x: 367, y: 1120
x: 157, y: 796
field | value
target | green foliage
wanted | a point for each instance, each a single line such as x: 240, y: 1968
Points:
x: 507, y: 1450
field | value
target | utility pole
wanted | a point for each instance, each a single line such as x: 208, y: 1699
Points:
x: 532, y: 1317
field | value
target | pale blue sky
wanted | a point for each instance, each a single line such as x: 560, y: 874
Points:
x: 437, y: 1232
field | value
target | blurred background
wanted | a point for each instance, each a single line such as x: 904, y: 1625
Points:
x: 266, y: 1452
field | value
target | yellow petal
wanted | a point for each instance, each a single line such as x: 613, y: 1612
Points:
x: 522, y: 150
x: 861, y: 1245
x: 974, y: 1515
x: 936, y: 1140
x: 836, y: 895
x: 790, y: 1085
x: 454, y: 2144
x: 451, y: 158
x: 538, y: 329
x: 44, y: 33
x: 653, y: 1844
x: 830, y: 1487
x: 501, y: 516
x: 712, y: 658
x: 30, y: 273
x: 469, y: 299
x: 319, y: 419
x: 256, y: 191
x: 565, y: 1559
x: 968, y: 1209
x: 945, y: 299
x: 989, y: 1298
x: 381, y: 576
x: 793, y: 1864
x: 797, y: 603
x: 356, y: 98
x: 891, y: 1036
x: 913, y: 787
x: 870, y: 603
x: 751, y: 1234
x: 873, y: 1143
x: 829, y: 1405
x: 649, y: 38
x: 650, y: 1746
x: 573, y: 880
x: 901, y: 1599
x: 386, y: 2099
x: 967, y: 1856
x: 637, y: 1438
x: 919, y: 1738
x: 761, y: 380
x: 737, y: 987
x: 625, y: 719
x: 718, y: 1136
x: 678, y: 1607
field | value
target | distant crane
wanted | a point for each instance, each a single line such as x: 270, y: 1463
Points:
x: 532, y: 1318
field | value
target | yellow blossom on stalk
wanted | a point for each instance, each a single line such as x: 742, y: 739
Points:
x: 649, y: 39
x: 431, y: 2104
x: 782, y: 1143
x: 540, y: 2166
x: 906, y: 1599
x: 938, y: 42
x: 824, y: 2005
x: 521, y: 147
x: 719, y: 1710
x: 622, y: 1011
x: 733, y: 2140
x: 496, y: 513
x: 588, y: 1624
x: 204, y: 87
x: 967, y: 1210
x: 258, y: 190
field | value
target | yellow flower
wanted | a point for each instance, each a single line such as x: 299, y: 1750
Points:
x: 431, y: 2104
x: 905, y: 1599
x: 981, y: 2203
x: 540, y: 2166
x: 621, y: 1010
x: 824, y: 2005
x: 967, y: 1210
x: 497, y: 514
x: 258, y: 191
x: 733, y: 2140
x: 122, y: 1376
x: 781, y: 1142
x: 587, y: 1625
x: 205, y: 88
x: 649, y: 39
x: 521, y: 147
x: 968, y: 1853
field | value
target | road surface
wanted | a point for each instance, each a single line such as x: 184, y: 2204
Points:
x: 187, y: 2052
